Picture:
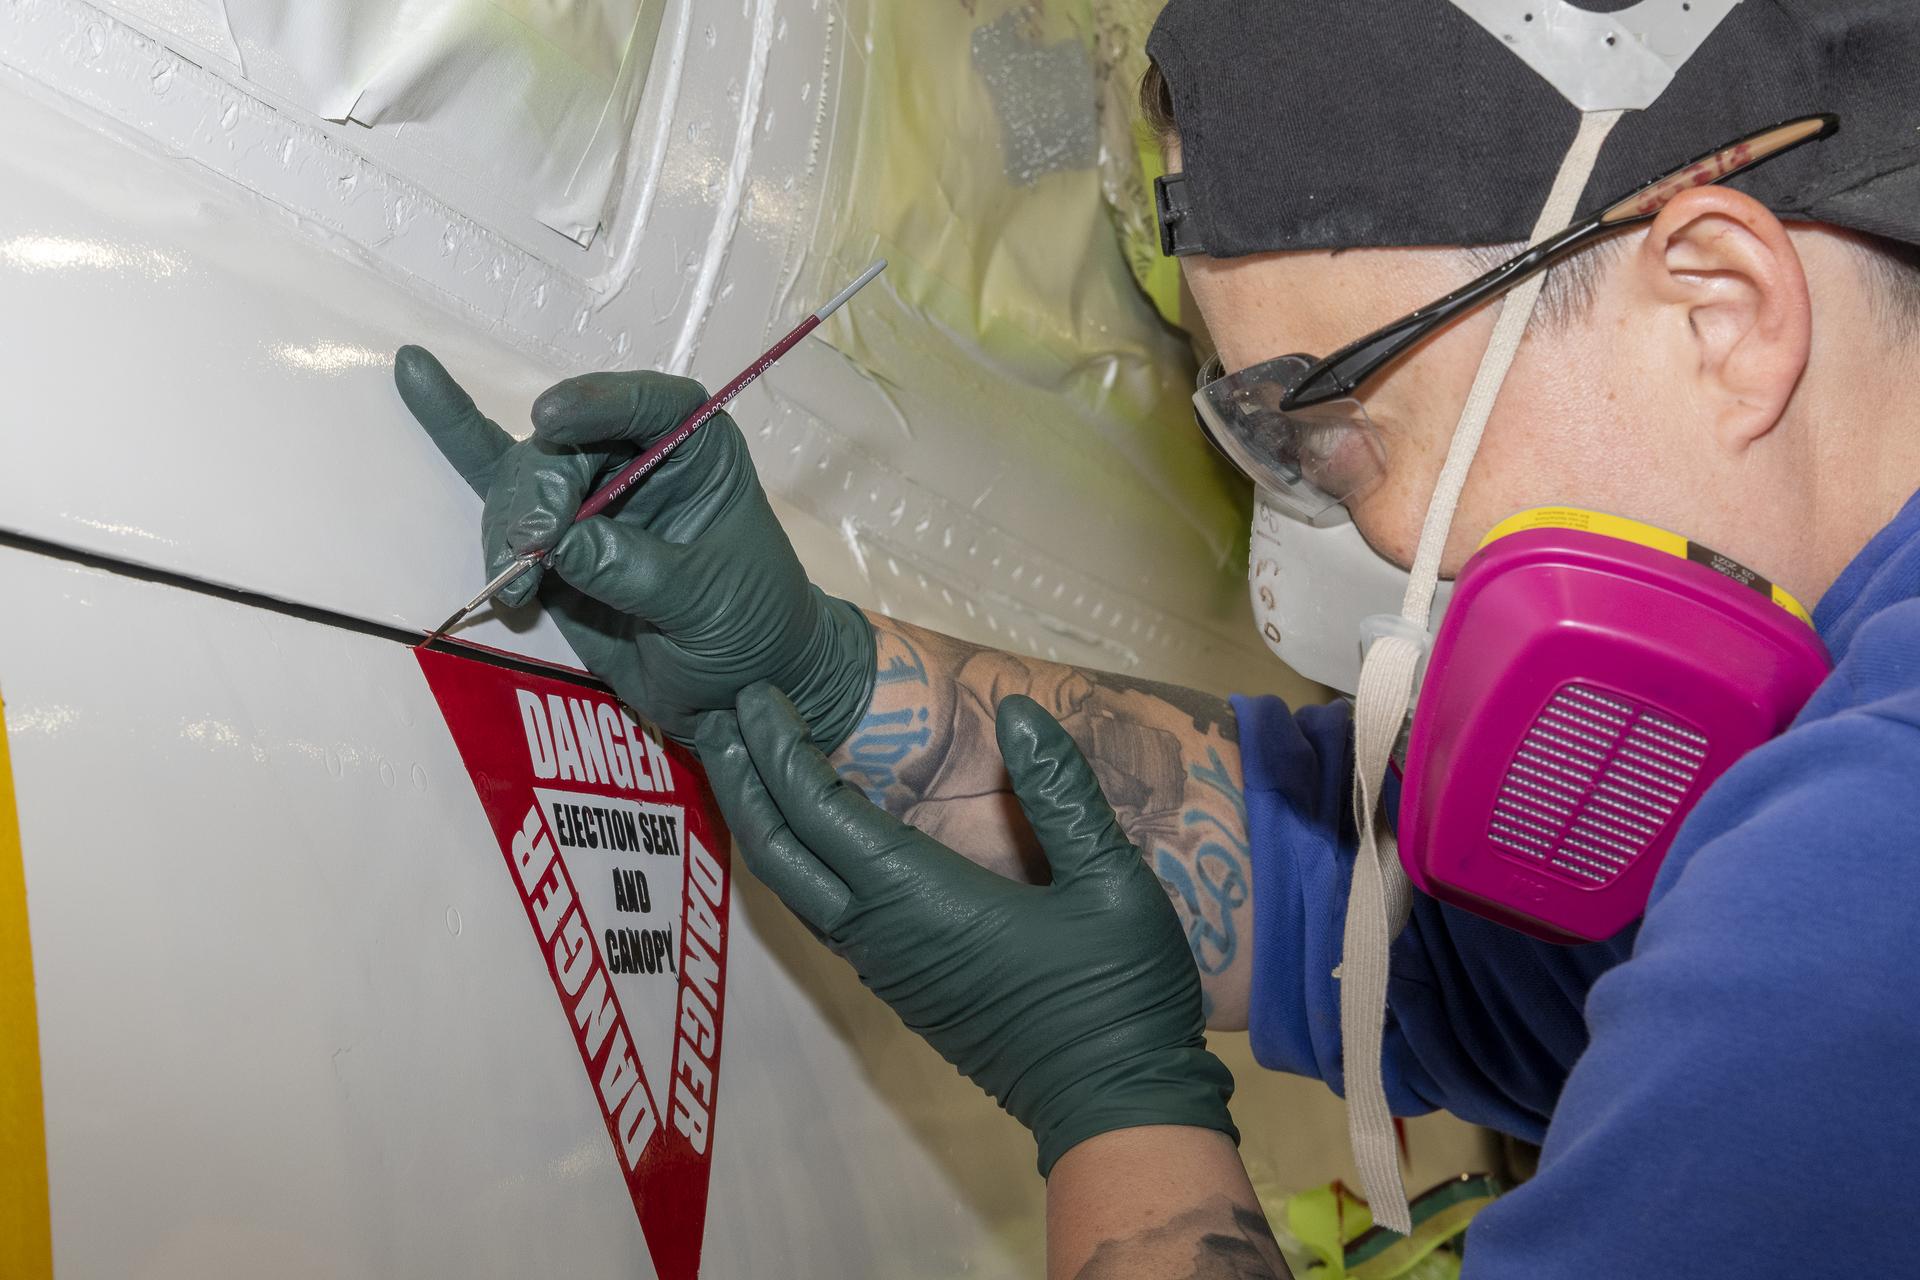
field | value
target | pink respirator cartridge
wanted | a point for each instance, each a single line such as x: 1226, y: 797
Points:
x: 1592, y: 677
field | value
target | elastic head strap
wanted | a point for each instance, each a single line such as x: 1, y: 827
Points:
x: 1379, y: 897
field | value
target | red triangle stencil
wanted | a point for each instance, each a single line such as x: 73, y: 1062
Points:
x: 617, y: 852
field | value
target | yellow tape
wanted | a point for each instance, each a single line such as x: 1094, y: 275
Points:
x: 26, y: 1230
x: 1646, y: 535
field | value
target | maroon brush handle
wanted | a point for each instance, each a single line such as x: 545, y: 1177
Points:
x: 654, y: 454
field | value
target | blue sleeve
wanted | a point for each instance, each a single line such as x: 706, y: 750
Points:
x: 1749, y: 1090
x: 1482, y: 1021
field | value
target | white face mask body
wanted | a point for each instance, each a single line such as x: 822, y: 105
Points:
x: 1314, y: 588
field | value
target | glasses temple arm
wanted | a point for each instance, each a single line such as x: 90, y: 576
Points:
x: 1347, y: 368
x: 1353, y: 364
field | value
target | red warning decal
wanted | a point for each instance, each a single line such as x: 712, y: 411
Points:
x: 617, y: 851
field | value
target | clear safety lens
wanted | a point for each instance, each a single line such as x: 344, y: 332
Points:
x: 1310, y: 460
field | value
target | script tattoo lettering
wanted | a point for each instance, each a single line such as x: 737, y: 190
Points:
x: 1215, y: 886
x: 887, y: 736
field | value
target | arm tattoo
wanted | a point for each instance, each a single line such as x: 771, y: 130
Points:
x: 895, y: 726
x: 1209, y: 714
x: 1210, y: 887
x: 1167, y: 757
x: 1217, y: 1241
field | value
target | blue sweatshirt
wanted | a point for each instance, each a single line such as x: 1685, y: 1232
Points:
x: 1732, y: 1089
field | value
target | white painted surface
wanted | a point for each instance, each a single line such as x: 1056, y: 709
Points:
x: 193, y: 386
x: 263, y: 1050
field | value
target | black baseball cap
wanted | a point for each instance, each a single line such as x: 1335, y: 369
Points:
x: 1325, y: 124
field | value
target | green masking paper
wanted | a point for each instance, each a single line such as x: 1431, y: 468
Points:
x: 981, y: 171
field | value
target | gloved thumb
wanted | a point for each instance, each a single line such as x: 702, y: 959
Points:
x: 1059, y: 793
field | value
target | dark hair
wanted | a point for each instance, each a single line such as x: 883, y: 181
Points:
x: 1156, y: 101
x: 1892, y: 270
x: 1889, y: 269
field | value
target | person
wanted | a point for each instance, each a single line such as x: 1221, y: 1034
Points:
x: 1059, y: 876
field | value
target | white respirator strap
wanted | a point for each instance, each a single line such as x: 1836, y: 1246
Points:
x: 1380, y: 896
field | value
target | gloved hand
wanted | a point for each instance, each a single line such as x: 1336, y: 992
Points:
x: 688, y: 590
x: 1075, y: 1004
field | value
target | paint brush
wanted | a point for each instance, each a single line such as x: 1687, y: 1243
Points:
x: 654, y: 454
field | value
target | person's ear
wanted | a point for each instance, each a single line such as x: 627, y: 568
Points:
x: 1732, y: 279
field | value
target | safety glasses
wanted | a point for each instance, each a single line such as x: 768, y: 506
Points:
x: 1292, y: 425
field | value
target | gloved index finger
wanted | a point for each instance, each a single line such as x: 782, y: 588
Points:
x: 845, y: 830
x: 467, y: 438
x: 595, y: 408
x: 1059, y: 793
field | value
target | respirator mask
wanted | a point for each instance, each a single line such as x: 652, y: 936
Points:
x: 1587, y: 680
x: 1584, y: 679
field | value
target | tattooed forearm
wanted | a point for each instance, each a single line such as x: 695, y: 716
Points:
x: 1219, y: 1240
x: 1168, y: 759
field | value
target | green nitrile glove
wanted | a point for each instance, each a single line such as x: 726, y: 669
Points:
x: 1075, y: 1004
x: 688, y: 590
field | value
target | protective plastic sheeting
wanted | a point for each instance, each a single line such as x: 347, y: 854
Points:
x: 976, y: 172
x: 534, y: 96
